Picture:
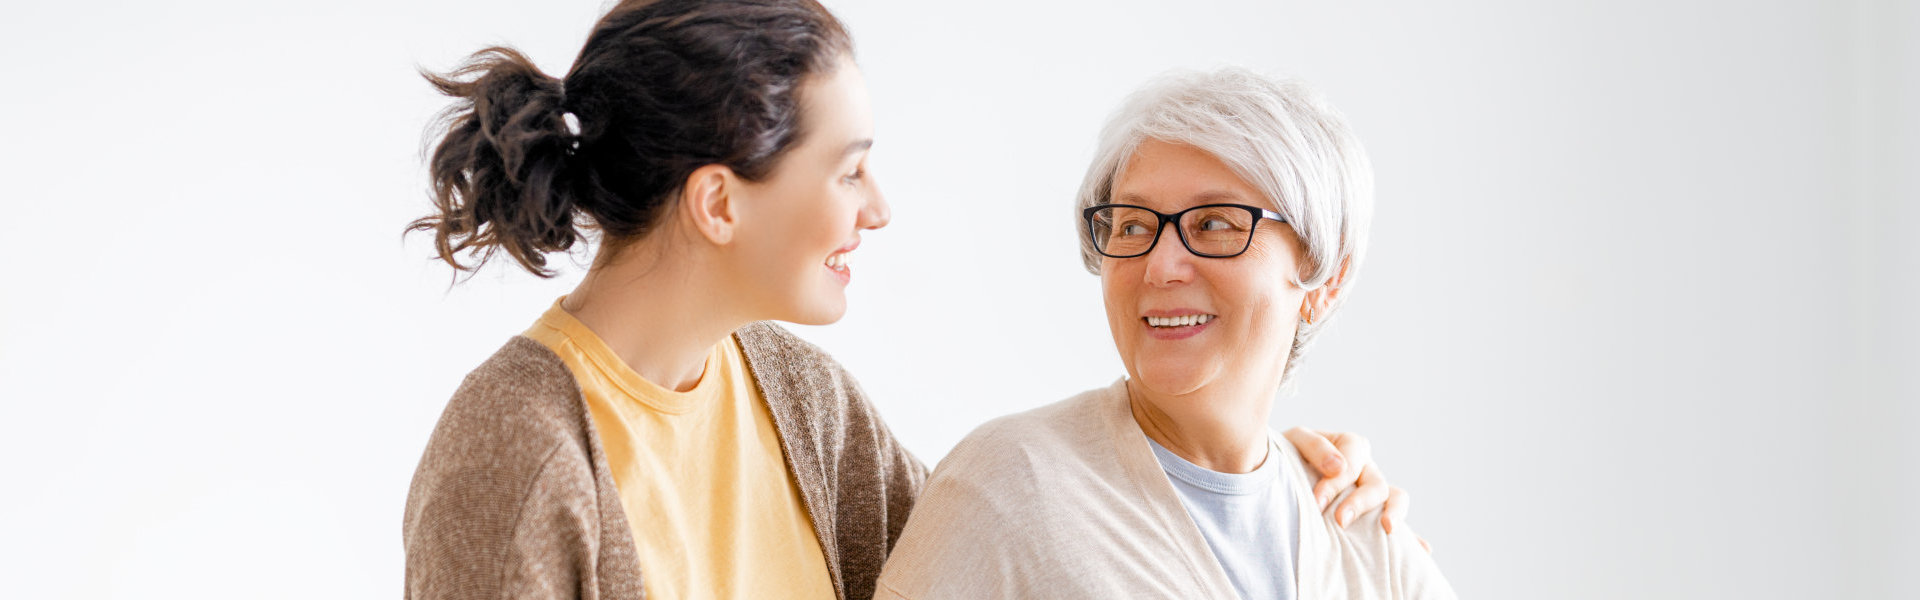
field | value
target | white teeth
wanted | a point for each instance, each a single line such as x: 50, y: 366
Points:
x: 837, y: 260
x: 1180, y: 321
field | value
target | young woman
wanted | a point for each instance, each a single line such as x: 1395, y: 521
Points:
x: 651, y: 433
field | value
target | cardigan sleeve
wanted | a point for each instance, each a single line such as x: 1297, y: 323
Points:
x: 901, y: 473
x: 984, y: 528
x: 478, y: 534
x: 962, y: 542
x: 1363, y: 561
x: 509, y: 500
x: 878, y: 482
x: 1415, y: 575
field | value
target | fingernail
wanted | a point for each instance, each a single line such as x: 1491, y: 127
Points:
x: 1345, y: 514
x: 1387, y: 524
x: 1332, y: 466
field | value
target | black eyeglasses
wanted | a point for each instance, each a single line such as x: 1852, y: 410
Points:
x: 1210, y: 230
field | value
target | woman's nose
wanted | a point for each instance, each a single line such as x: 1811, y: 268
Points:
x: 1169, y: 262
x: 875, y: 214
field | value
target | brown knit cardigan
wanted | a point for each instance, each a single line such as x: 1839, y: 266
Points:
x: 514, y: 499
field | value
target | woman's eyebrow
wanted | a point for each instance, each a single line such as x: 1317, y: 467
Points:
x: 1205, y: 197
x: 856, y: 146
x: 1215, y: 196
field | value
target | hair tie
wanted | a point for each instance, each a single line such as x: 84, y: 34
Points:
x: 573, y: 130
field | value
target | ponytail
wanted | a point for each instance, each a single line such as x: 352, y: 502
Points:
x: 500, y: 174
x: 661, y: 88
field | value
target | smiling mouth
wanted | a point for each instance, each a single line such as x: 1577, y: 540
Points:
x: 1179, y: 321
x: 837, y: 261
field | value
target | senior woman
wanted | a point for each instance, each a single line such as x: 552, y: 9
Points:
x: 1225, y: 214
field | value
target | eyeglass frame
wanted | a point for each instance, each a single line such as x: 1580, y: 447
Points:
x: 1160, y: 228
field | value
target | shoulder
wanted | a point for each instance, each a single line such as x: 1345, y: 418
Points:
x: 1005, y: 471
x: 516, y: 419
x: 1022, y: 507
x: 512, y: 448
x: 1362, y: 560
x: 1368, y: 562
x: 1061, y: 433
x: 519, y: 402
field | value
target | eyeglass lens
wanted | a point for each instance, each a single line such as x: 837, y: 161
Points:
x: 1125, y: 231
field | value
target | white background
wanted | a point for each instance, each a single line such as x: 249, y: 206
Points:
x: 1638, y: 319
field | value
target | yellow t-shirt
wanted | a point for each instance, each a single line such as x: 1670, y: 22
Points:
x: 715, y: 514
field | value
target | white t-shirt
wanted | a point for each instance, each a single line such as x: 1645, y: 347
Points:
x: 1250, y: 520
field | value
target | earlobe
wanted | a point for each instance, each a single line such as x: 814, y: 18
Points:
x: 1314, y: 306
x: 1321, y: 299
x: 707, y: 202
x: 1338, y: 285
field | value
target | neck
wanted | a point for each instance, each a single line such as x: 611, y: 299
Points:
x: 661, y: 315
x: 1217, y: 428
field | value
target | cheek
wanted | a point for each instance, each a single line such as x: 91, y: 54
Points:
x: 1118, y: 300
x: 1263, y: 295
x: 1114, y: 291
x: 1266, y: 274
x: 830, y: 215
x: 1277, y: 253
x: 801, y: 228
x: 783, y: 243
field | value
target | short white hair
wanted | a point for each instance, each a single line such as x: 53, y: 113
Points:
x: 1280, y: 136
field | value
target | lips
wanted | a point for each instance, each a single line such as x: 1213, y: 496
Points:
x: 1179, y: 321
x: 1176, y: 324
x: 837, y: 261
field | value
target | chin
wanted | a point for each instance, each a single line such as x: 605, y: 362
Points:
x: 820, y: 311
x: 1173, y: 377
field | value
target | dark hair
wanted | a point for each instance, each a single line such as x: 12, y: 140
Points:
x: 660, y: 89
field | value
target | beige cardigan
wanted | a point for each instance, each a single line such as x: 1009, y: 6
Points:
x: 1068, y: 501
x: 514, y: 499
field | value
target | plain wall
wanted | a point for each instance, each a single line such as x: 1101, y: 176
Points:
x: 1638, y: 318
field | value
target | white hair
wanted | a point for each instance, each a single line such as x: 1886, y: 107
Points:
x: 1280, y: 137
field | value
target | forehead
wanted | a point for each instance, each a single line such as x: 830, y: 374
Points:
x: 834, y: 107
x: 1169, y: 175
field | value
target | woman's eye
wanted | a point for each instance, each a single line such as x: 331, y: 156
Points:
x: 854, y: 177
x: 1214, y: 225
x: 1133, y: 229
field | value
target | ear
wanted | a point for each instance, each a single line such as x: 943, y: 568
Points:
x: 1321, y: 300
x: 707, y: 202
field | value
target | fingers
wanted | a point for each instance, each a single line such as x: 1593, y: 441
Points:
x: 1357, y: 454
x: 1371, y: 493
x: 1357, y: 450
x: 1395, y: 513
x: 1396, y: 509
x: 1325, y: 457
x: 1317, y: 450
